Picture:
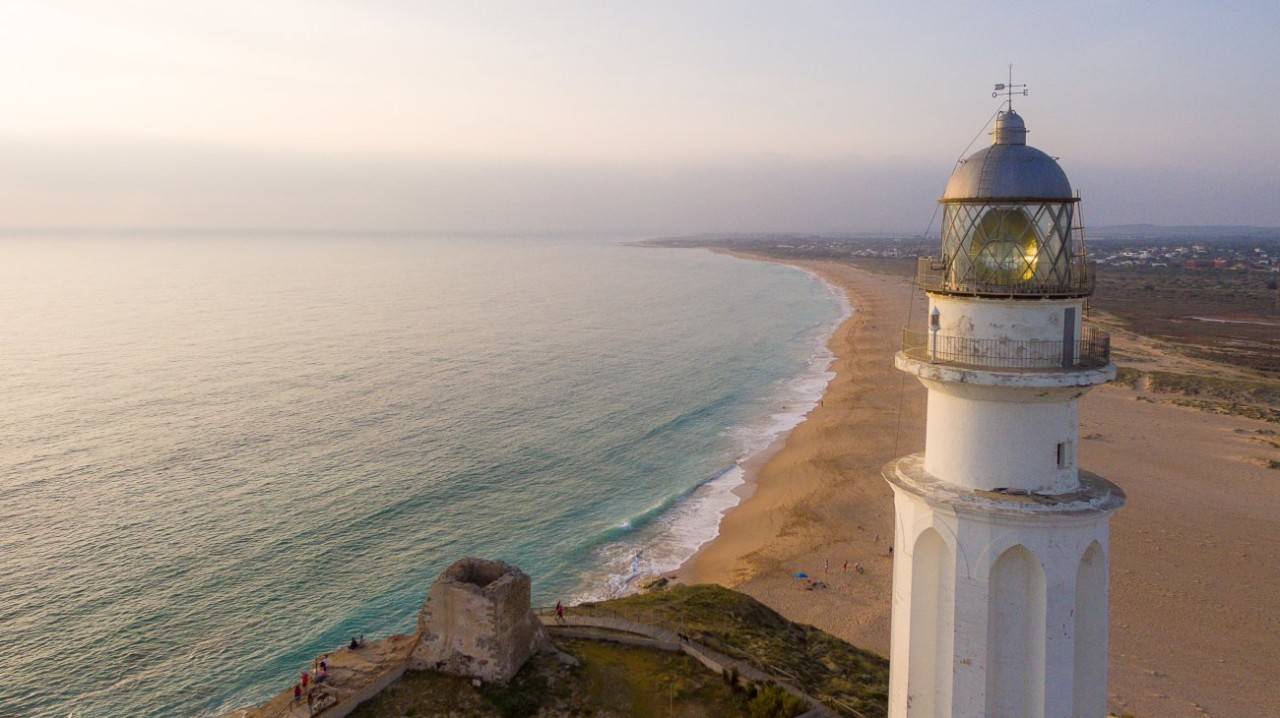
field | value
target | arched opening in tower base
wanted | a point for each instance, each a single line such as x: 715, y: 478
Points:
x: 1016, y: 636
x: 1090, y: 675
x: 932, y: 627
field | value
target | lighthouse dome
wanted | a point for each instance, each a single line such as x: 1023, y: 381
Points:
x: 1008, y: 169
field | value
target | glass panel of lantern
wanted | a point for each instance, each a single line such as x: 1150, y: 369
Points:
x: 1007, y: 245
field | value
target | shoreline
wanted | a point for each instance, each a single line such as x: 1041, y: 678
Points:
x: 765, y: 539
x: 702, y: 508
x: 754, y: 462
x: 1202, y: 515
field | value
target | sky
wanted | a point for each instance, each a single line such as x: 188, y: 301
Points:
x: 628, y: 117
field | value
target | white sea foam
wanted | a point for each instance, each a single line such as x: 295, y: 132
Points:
x: 693, y: 520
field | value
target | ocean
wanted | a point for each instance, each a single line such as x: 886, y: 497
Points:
x: 223, y: 455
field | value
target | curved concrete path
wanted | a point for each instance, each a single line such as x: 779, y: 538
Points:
x: 665, y: 639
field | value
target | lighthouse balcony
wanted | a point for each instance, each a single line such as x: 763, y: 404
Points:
x: 1091, y: 350
x: 1074, y: 277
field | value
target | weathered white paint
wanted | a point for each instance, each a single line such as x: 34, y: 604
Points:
x: 1091, y: 632
x: 989, y: 382
x: 1004, y: 319
x: 988, y: 444
x: 1000, y: 577
x: 999, y: 603
x: 932, y: 579
x: 992, y: 642
x: 1016, y: 612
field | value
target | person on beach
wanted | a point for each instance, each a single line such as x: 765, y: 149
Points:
x: 306, y: 678
x: 353, y: 646
x: 846, y: 566
x: 559, y: 612
x: 297, y: 693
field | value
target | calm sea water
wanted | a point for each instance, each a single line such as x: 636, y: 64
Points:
x: 220, y: 456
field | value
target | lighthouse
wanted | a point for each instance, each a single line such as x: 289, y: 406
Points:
x: 1001, y: 570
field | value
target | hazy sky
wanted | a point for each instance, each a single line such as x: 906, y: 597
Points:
x: 626, y: 116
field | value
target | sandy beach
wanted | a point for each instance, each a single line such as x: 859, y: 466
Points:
x: 1195, y: 553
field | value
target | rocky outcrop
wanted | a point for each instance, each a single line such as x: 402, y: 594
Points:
x: 477, y: 622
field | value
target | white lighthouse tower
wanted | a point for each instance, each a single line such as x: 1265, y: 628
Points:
x: 1000, y: 577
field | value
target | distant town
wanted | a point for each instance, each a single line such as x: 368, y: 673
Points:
x: 1135, y: 247
x: 1234, y: 255
x: 1213, y: 290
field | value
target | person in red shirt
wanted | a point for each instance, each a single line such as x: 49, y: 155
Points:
x: 306, y: 678
x: 297, y: 692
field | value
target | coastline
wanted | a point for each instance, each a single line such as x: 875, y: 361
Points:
x: 692, y: 520
x: 1202, y: 514
x: 815, y: 500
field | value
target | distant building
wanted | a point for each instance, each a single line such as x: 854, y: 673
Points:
x: 1000, y: 574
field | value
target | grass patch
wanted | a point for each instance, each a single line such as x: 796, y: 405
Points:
x: 1128, y: 376
x: 774, y: 702
x: 610, y: 680
x: 841, y: 675
x: 623, y: 680
x: 425, y: 693
x: 523, y: 697
x: 1249, y: 411
x: 1218, y: 395
x: 1240, y: 391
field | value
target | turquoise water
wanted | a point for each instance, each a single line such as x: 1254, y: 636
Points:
x: 224, y: 455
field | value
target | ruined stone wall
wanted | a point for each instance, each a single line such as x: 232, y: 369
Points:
x: 477, y: 622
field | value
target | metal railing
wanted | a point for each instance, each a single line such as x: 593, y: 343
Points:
x: 1091, y: 349
x: 932, y: 275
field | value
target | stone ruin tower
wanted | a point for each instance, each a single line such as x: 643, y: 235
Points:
x: 477, y: 622
x: 1000, y: 580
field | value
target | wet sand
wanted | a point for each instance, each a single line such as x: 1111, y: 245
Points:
x: 1195, y: 553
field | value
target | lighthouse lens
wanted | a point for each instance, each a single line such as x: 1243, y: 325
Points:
x: 1012, y: 248
x: 1004, y: 248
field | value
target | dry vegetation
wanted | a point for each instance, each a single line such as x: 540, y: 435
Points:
x: 837, y: 673
x: 610, y: 680
x: 617, y: 680
x: 1219, y: 316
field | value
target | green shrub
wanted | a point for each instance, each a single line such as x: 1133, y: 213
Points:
x: 772, y: 701
x: 522, y: 697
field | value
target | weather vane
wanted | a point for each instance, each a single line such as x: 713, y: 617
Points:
x: 1010, y: 89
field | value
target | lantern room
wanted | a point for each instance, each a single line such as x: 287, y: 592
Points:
x: 1010, y: 224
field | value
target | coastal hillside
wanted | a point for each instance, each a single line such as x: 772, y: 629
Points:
x: 841, y: 675
x: 610, y: 675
